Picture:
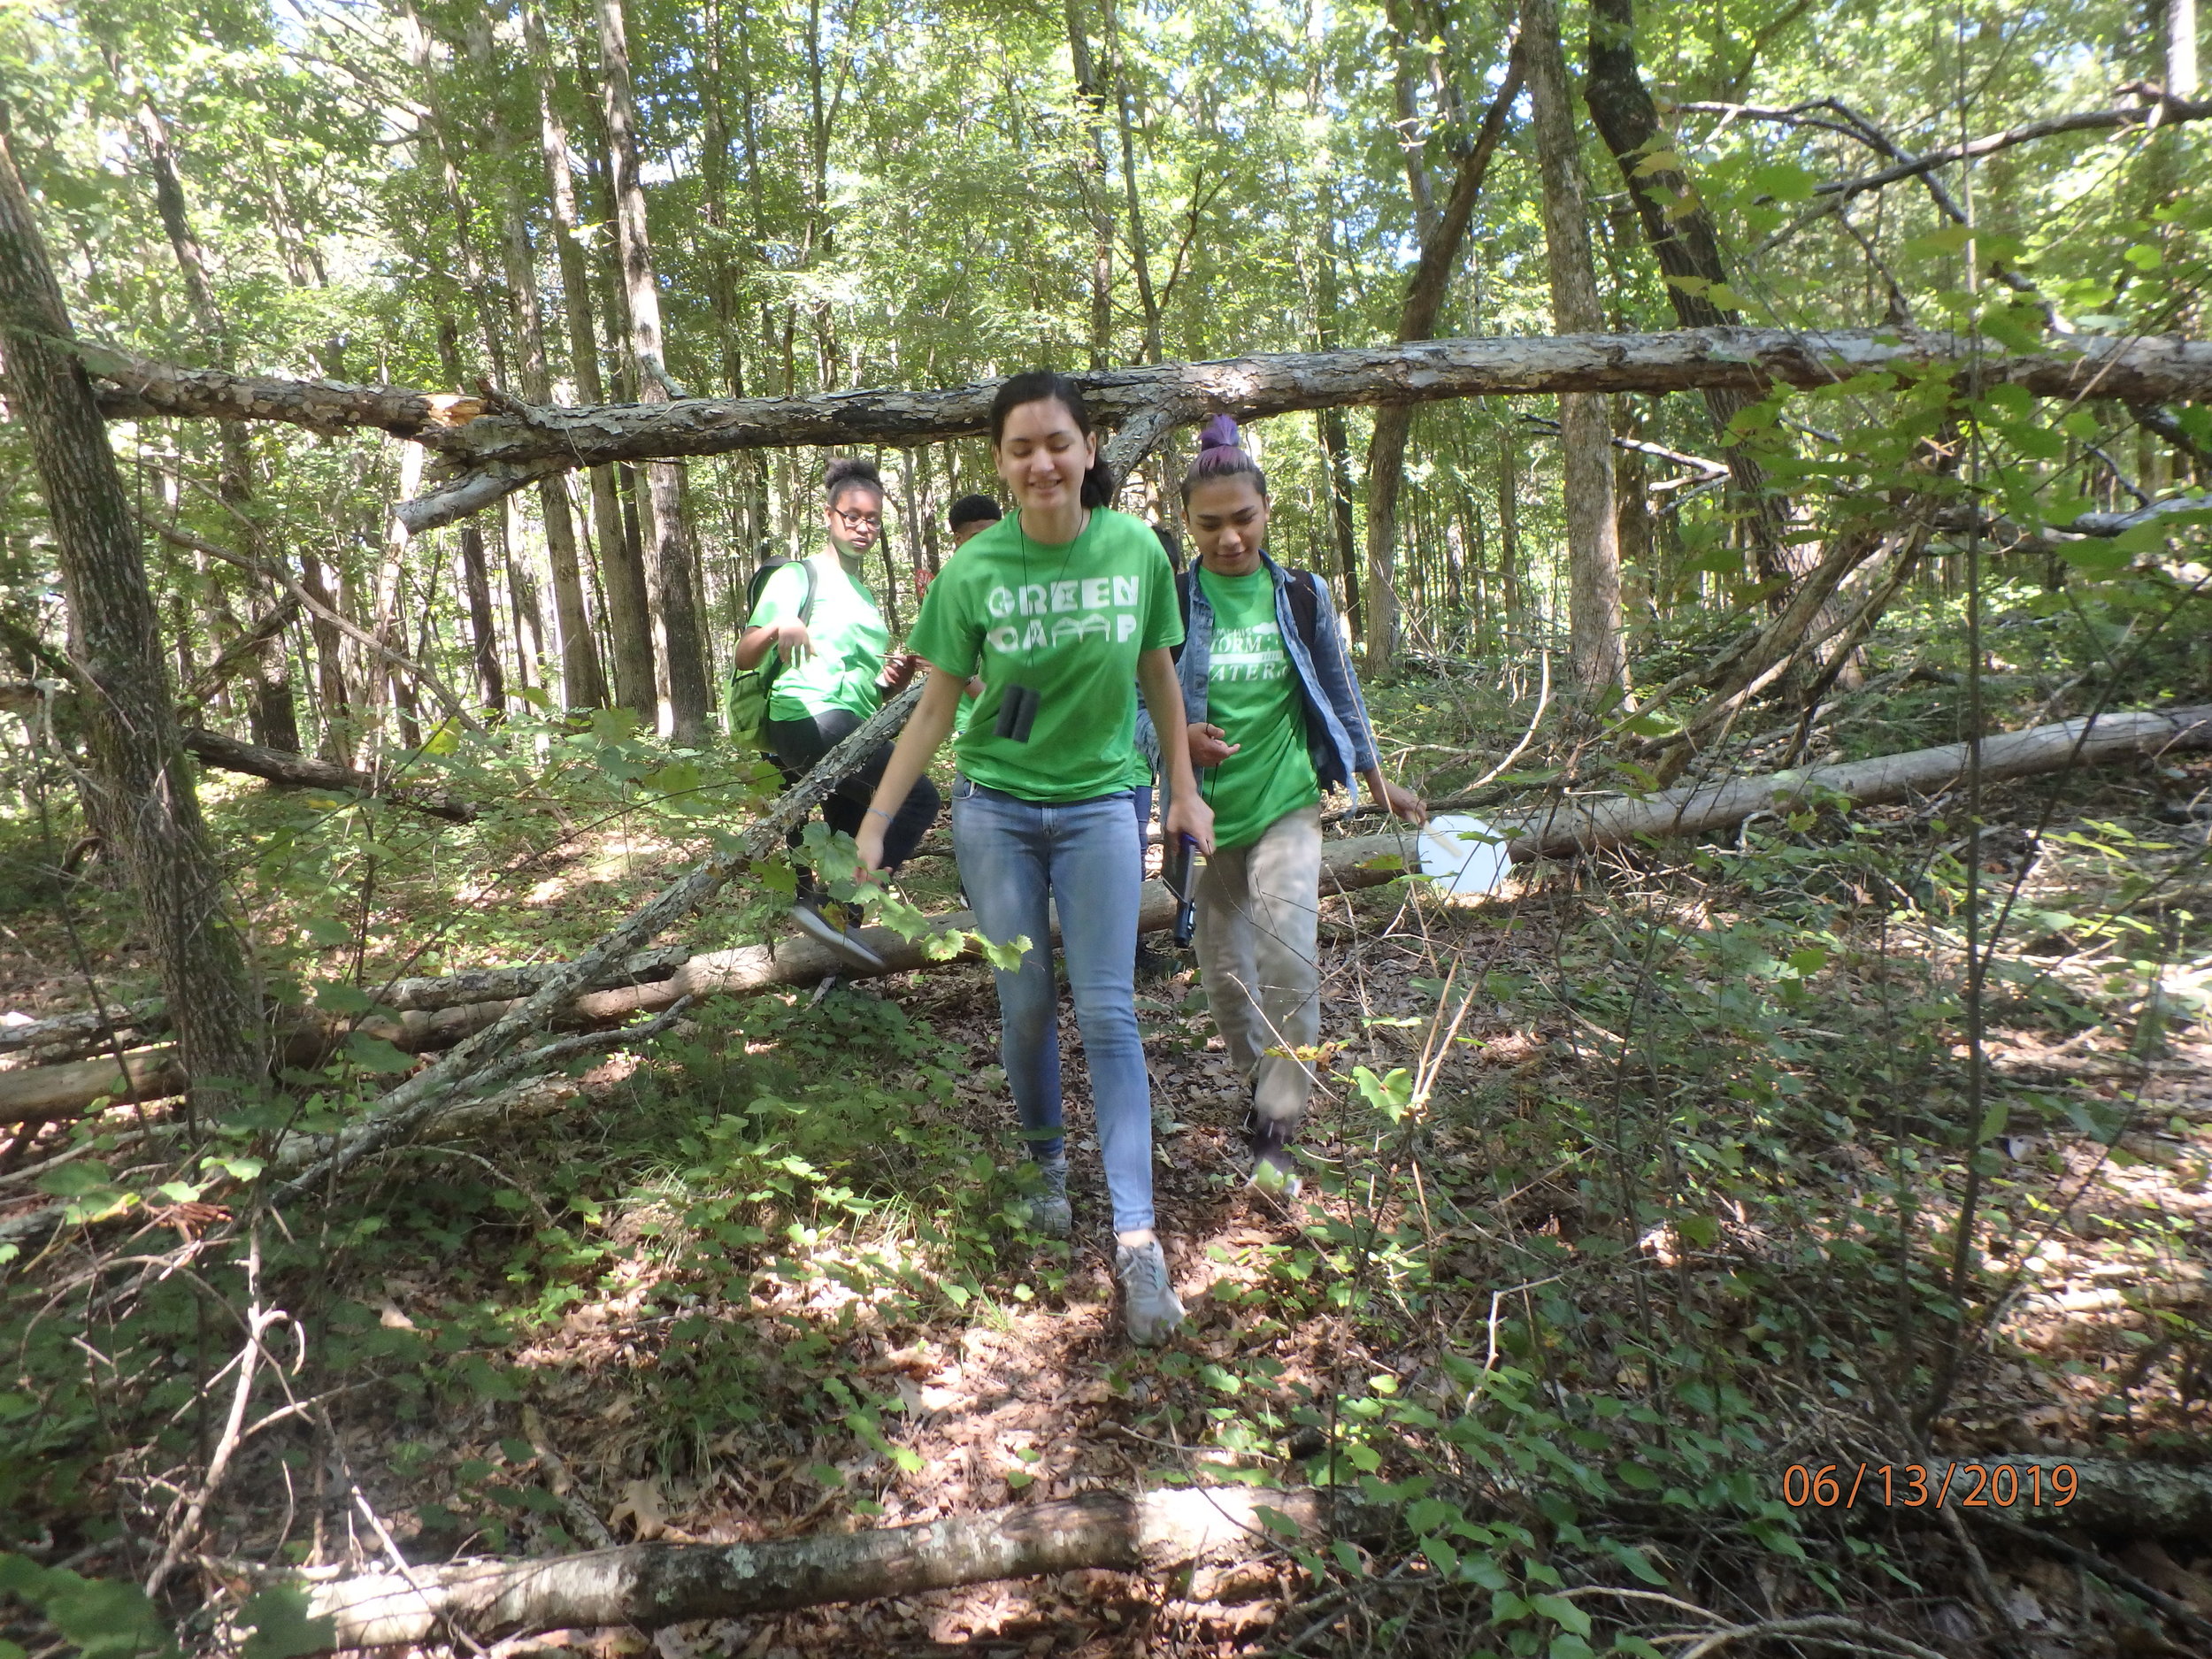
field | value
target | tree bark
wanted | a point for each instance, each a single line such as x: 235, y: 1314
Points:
x: 298, y: 772
x: 1597, y: 641
x: 1587, y: 825
x: 2181, y: 49
x: 476, y: 583
x: 1093, y: 182
x: 583, y: 683
x: 623, y: 582
x: 646, y: 1586
x: 488, y: 450
x: 672, y: 581
x: 1417, y: 321
x: 148, y: 803
x: 272, y: 715
x: 1687, y: 244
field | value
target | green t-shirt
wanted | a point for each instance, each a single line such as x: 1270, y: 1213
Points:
x: 1070, y: 620
x: 850, y: 642
x: 1251, y: 696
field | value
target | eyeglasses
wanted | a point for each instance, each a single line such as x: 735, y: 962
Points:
x: 857, y: 520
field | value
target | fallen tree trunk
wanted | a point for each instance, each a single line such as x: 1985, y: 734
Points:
x: 76, y: 1036
x: 304, y: 772
x: 649, y: 1585
x: 1580, y: 824
x: 646, y: 1586
x: 490, y: 447
x: 431, y: 1014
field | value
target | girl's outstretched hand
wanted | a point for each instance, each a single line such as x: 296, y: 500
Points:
x: 1191, y: 818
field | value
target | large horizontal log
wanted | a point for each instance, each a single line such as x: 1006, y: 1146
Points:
x: 646, y: 1586
x: 304, y: 772
x: 41, y: 1093
x: 491, y: 446
x: 77, y: 1035
x: 1577, y: 824
x: 433, y: 1014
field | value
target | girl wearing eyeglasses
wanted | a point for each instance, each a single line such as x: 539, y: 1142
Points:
x: 835, y: 670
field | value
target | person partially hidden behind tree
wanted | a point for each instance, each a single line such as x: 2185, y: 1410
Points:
x: 1274, y: 717
x: 821, y: 620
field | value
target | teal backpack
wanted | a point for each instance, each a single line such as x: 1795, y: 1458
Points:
x: 745, y: 700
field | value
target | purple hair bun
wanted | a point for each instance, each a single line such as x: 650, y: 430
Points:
x: 1220, y: 433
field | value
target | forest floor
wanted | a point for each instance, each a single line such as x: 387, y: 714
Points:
x: 1632, y: 1189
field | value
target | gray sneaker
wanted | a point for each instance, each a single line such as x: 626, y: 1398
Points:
x: 836, y: 933
x: 1149, y: 1305
x: 1050, y: 1211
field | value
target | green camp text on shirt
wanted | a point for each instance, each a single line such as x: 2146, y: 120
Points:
x: 1068, y: 618
x: 1251, y: 696
x: 851, y: 642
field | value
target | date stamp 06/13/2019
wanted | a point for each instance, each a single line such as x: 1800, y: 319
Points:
x: 1932, y: 1485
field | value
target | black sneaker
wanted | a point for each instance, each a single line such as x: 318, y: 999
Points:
x: 1154, y: 965
x: 813, y: 919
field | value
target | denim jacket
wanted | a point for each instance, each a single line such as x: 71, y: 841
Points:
x: 1338, y: 736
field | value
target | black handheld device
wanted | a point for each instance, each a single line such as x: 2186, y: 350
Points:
x: 1017, y: 714
x: 1180, y: 872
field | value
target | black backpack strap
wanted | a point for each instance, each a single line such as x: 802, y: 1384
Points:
x: 806, y: 605
x: 1182, y: 603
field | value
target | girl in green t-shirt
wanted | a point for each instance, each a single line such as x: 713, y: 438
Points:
x: 1064, y: 608
x: 1276, y: 719
x: 833, y: 652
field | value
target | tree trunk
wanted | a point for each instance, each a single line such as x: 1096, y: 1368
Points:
x: 330, y: 666
x: 583, y: 684
x: 1598, y: 643
x: 137, y: 764
x: 1589, y: 825
x: 476, y: 585
x: 297, y: 771
x: 1335, y: 449
x: 1140, y: 248
x: 671, y: 579
x: 271, y: 714
x: 1508, y: 529
x: 623, y: 584
x: 2181, y: 49
x: 646, y: 1586
x: 1687, y: 244
x: 1417, y: 321
x: 495, y: 453
x: 1092, y: 180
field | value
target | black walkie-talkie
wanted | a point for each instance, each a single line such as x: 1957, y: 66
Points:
x: 1180, y: 870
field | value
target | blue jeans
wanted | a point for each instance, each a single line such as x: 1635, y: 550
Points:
x: 1015, y: 855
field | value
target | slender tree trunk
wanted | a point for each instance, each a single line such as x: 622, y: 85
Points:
x: 144, y: 788
x: 271, y: 714
x: 1334, y: 448
x: 1508, y: 529
x: 330, y: 668
x: 1094, y: 188
x: 2181, y: 49
x: 583, y: 683
x: 672, y: 579
x: 622, y: 582
x: 1687, y: 244
x: 1417, y: 321
x: 1586, y: 428
x: 1140, y: 246
x: 476, y: 586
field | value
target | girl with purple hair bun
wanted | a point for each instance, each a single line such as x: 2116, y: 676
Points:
x: 1274, y: 718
